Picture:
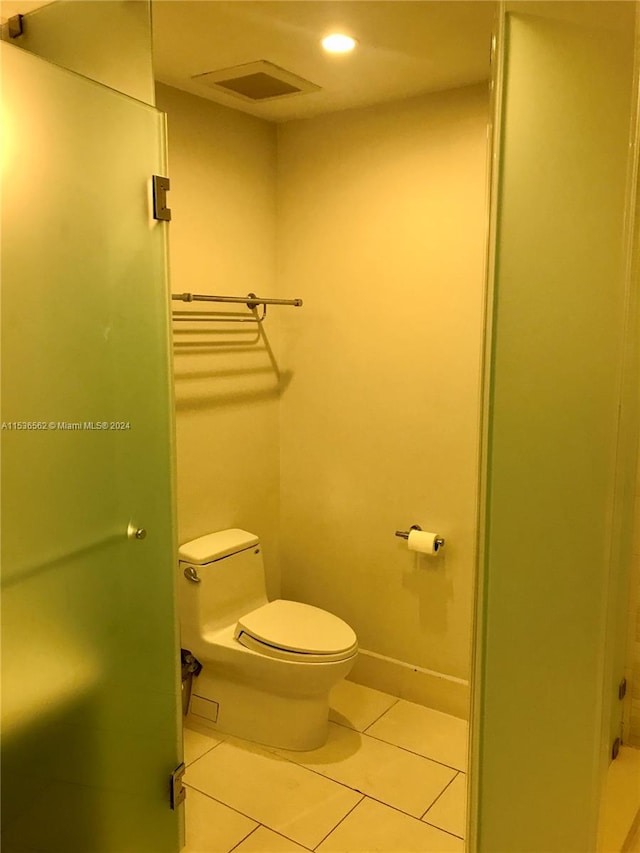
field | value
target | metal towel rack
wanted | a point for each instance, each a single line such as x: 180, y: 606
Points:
x: 250, y: 300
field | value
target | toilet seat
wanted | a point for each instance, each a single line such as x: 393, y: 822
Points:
x: 290, y: 630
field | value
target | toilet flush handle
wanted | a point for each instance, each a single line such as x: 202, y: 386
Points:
x: 191, y: 574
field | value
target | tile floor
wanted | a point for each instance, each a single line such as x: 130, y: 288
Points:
x: 621, y: 804
x: 391, y: 778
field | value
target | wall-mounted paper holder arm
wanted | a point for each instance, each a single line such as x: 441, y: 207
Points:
x: 404, y: 534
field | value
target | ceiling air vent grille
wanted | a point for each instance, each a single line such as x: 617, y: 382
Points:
x: 256, y: 81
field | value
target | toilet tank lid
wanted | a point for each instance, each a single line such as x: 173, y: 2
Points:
x: 214, y: 546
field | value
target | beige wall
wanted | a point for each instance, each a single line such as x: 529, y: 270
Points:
x: 222, y: 165
x: 358, y: 414
x: 381, y: 230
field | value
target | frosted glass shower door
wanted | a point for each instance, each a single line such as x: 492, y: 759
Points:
x: 558, y: 449
x: 90, y: 675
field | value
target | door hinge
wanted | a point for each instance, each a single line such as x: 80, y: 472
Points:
x: 161, y: 187
x: 615, y: 748
x: 622, y: 689
x: 177, y: 791
x: 15, y: 26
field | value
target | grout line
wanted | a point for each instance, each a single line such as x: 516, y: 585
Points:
x: 357, y: 790
x: 393, y: 705
x: 435, y: 826
x: 403, y: 748
x: 342, y: 819
x: 451, y: 781
x: 222, y: 803
x: 419, y: 754
x: 363, y: 794
x: 317, y: 772
x: 248, y: 817
x: 191, y: 763
x: 286, y: 837
x: 395, y: 809
x: 345, y: 726
x: 235, y: 846
x: 412, y: 816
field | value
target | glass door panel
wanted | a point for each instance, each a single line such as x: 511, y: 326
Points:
x: 552, y: 555
x: 106, y: 40
x: 90, y: 676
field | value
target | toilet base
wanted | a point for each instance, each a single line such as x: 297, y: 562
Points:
x: 286, y: 722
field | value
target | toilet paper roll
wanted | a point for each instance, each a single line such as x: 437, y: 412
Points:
x: 423, y: 541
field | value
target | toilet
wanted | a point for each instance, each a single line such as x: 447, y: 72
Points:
x: 267, y: 666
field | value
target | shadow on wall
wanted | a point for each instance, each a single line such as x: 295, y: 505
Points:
x: 212, y: 401
x: 432, y: 587
x: 235, y: 366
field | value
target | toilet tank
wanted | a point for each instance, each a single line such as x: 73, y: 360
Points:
x: 228, y: 582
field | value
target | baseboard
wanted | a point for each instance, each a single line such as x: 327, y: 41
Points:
x: 423, y: 686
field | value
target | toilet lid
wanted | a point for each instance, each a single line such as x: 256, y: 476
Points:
x: 297, y: 628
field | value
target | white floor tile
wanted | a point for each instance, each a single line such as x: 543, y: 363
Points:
x: 263, y: 840
x: 373, y: 827
x: 397, y: 777
x: 633, y: 845
x: 430, y: 733
x: 357, y: 706
x: 283, y: 796
x: 212, y: 827
x: 450, y: 810
x: 621, y: 799
x: 197, y: 743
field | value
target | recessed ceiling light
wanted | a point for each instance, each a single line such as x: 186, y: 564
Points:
x: 338, y: 43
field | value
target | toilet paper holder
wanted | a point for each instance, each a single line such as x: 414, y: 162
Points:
x: 404, y: 534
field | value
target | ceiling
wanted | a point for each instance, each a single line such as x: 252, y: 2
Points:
x: 405, y: 48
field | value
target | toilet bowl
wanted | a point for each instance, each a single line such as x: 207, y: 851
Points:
x: 267, y: 666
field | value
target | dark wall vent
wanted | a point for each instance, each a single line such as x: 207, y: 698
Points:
x: 258, y: 86
x: 257, y: 81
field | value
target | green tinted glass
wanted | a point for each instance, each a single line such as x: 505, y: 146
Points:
x: 560, y: 307
x: 90, y: 705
